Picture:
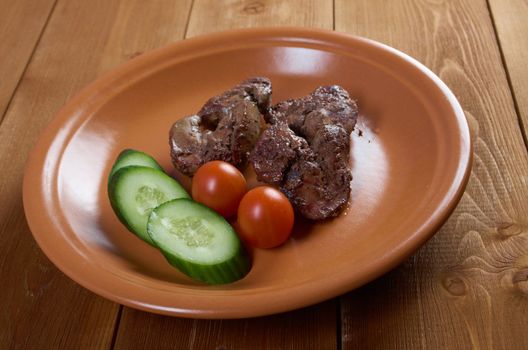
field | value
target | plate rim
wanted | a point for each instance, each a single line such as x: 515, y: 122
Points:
x: 390, y: 260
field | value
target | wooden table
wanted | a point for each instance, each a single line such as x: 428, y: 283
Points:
x: 466, y: 288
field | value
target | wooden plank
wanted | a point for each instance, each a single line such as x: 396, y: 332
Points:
x: 309, y: 328
x: 41, y: 308
x: 511, y: 24
x: 468, y: 286
x: 21, y: 23
x: 213, y: 16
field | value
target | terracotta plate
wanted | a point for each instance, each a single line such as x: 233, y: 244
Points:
x: 410, y: 156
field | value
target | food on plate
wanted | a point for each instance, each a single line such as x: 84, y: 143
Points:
x: 226, y: 128
x: 135, y: 190
x: 306, y: 149
x: 198, y: 241
x: 265, y: 217
x: 220, y: 186
x: 133, y: 157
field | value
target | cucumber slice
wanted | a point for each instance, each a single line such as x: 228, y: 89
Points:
x: 132, y: 157
x: 135, y: 190
x: 198, y: 241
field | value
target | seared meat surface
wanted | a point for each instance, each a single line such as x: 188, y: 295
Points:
x: 226, y: 128
x: 306, y: 151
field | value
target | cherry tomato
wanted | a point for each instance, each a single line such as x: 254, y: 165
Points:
x: 265, y: 217
x: 220, y: 186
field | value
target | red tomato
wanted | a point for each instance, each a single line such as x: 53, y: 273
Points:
x: 265, y: 217
x: 220, y: 186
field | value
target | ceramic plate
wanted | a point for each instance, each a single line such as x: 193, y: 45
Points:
x: 410, y: 156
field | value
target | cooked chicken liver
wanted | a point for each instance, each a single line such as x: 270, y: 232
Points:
x: 226, y: 128
x: 306, y: 151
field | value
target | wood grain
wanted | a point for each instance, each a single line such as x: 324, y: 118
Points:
x: 309, y: 328
x: 468, y: 287
x: 212, y: 15
x: 21, y: 23
x: 511, y: 24
x: 42, y: 308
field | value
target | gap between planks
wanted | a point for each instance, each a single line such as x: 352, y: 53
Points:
x: 30, y: 58
x: 333, y: 15
x: 116, y: 327
x: 188, y: 20
x: 508, y: 76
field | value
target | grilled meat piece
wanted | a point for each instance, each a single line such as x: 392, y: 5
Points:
x: 306, y: 151
x: 226, y: 128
